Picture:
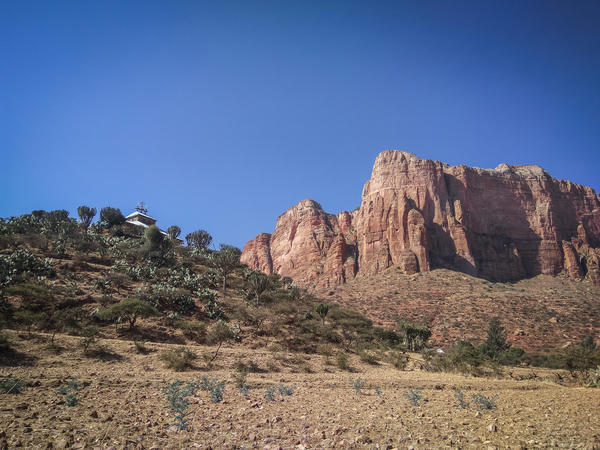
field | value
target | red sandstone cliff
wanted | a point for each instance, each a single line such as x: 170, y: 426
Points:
x: 502, y: 224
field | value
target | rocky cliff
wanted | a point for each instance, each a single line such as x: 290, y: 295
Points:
x: 502, y: 224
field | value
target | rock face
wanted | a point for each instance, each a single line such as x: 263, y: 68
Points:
x: 501, y: 224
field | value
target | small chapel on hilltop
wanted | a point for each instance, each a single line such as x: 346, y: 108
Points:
x: 141, y: 220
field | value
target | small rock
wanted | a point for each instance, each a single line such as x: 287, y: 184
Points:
x: 492, y: 428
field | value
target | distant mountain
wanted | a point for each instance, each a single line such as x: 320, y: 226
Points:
x: 501, y: 224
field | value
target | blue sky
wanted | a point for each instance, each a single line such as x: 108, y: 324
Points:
x: 221, y: 115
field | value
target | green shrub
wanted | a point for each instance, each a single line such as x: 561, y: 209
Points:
x: 459, y: 396
x: 286, y: 390
x: 176, y: 394
x: 214, y: 386
x: 593, y: 377
x: 69, y: 391
x: 357, y: 385
x: 21, y: 265
x: 414, y: 396
x: 11, y: 385
x: 270, y: 393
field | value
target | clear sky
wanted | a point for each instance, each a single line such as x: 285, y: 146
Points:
x: 220, y: 115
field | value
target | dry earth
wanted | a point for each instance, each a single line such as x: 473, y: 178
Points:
x: 122, y: 405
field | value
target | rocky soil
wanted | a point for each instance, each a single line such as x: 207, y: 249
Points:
x: 122, y: 406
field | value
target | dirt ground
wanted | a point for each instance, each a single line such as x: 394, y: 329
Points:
x: 122, y: 404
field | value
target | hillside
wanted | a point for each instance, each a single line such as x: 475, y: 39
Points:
x: 540, y: 313
x: 113, y: 338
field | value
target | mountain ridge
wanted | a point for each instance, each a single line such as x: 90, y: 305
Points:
x: 502, y: 224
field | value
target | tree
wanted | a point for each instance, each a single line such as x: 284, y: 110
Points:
x: 496, y: 339
x: 111, y: 216
x: 225, y: 261
x: 153, y: 238
x: 219, y: 334
x: 173, y: 231
x: 199, y: 239
x: 86, y: 214
x: 322, y: 309
x: 129, y: 310
x: 258, y: 283
x: 415, y: 336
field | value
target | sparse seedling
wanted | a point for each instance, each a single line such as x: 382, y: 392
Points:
x: 414, y: 396
x: 378, y: 390
x: 357, y: 384
x: 214, y: 386
x: 69, y: 391
x: 270, y: 393
x: 11, y: 385
x: 286, y: 390
x: 459, y: 396
x: 243, y: 389
x: 176, y: 394
x: 485, y: 403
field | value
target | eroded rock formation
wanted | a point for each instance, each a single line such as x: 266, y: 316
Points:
x: 502, y: 224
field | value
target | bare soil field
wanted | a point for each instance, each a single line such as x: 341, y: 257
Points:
x: 121, y: 403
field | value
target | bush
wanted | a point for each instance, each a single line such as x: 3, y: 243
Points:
x: 178, y: 359
x: 111, y: 216
x: 128, y: 310
x: 398, y: 359
x: 192, y: 329
x: 342, y: 361
x: 368, y: 357
x: 21, y: 265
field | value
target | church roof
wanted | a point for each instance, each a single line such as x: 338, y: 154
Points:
x: 137, y: 213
